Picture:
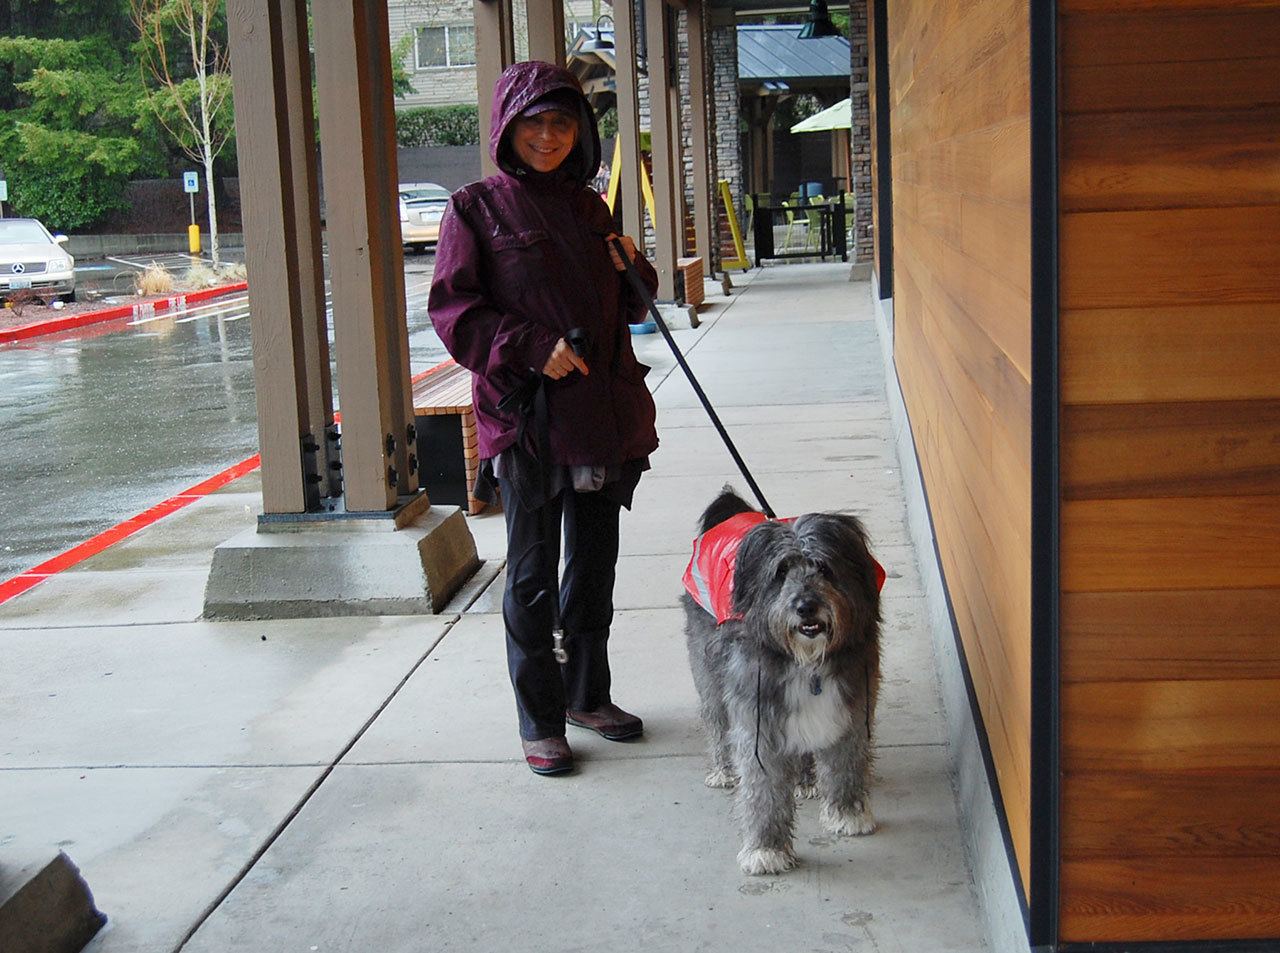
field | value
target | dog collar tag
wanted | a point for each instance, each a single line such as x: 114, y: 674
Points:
x: 815, y: 684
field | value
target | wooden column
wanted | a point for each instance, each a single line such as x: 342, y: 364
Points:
x: 546, y: 30
x: 662, y: 132
x: 366, y: 264
x: 495, y: 51
x: 282, y: 249
x: 701, y: 123
x: 624, y: 39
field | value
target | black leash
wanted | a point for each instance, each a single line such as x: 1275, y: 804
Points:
x: 638, y: 284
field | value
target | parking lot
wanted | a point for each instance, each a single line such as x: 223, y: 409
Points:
x: 104, y: 422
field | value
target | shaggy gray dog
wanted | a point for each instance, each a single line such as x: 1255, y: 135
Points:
x: 788, y: 689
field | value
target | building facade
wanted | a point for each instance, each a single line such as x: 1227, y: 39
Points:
x: 437, y: 42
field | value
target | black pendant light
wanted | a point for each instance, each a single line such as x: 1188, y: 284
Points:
x: 599, y: 43
x: 818, y: 24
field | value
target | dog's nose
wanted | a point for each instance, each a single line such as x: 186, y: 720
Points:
x: 807, y: 606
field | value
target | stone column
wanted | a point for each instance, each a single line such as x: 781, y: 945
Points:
x: 860, y: 134
x: 727, y: 145
x: 697, y: 131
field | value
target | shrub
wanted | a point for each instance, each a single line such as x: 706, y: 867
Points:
x: 154, y: 280
x: 438, y: 126
x: 65, y: 199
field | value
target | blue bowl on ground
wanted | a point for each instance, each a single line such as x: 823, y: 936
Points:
x: 645, y: 327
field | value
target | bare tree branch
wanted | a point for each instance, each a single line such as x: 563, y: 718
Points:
x: 190, y: 117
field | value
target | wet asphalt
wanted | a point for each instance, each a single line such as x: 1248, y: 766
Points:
x: 102, y: 423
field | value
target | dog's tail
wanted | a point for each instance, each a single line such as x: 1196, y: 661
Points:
x: 727, y: 504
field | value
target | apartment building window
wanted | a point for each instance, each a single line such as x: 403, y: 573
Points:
x: 442, y: 47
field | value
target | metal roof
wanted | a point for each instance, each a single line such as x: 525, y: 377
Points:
x: 773, y: 52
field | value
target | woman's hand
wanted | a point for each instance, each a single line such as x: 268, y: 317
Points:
x: 563, y: 362
x: 628, y: 245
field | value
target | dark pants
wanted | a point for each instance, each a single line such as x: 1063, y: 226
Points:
x: 543, y: 687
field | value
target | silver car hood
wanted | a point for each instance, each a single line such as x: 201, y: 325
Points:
x: 31, y: 251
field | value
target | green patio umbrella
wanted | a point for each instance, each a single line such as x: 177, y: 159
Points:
x: 839, y: 116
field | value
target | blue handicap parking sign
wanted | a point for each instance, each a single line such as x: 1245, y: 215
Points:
x: 191, y: 182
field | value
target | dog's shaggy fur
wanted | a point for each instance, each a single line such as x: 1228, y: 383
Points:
x: 788, y: 690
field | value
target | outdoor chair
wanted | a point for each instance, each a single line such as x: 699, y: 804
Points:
x: 813, y: 234
x: 790, y: 215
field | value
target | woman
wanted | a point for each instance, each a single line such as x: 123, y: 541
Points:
x: 524, y: 265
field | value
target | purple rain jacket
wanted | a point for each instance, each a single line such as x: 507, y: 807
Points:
x: 521, y: 260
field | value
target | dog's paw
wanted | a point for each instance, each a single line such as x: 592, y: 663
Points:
x: 806, y: 790
x: 848, y: 822
x: 755, y: 861
x: 720, y: 778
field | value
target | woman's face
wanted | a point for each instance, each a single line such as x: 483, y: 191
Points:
x: 544, y: 141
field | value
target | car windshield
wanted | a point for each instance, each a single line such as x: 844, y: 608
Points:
x: 426, y: 193
x: 17, y: 232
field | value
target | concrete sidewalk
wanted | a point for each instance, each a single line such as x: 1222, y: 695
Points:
x: 356, y: 784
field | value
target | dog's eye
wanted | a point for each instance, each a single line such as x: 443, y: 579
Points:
x: 826, y: 572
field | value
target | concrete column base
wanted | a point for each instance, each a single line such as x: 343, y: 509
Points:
x: 45, y: 905
x: 678, y: 316
x: 409, y: 564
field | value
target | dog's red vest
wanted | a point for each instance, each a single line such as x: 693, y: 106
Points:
x: 709, y: 576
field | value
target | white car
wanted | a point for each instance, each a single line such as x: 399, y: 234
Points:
x: 32, y: 258
x: 422, y: 206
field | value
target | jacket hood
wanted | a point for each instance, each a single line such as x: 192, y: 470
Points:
x: 523, y: 84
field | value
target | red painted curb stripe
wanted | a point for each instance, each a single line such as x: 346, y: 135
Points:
x: 16, y: 585
x: 20, y: 583
x: 73, y: 321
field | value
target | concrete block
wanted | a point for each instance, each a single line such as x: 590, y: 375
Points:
x: 343, y: 567
x: 45, y: 905
x: 678, y: 316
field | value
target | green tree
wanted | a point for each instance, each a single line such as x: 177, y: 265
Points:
x: 68, y: 137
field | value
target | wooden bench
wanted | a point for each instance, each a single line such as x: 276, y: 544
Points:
x: 442, y: 412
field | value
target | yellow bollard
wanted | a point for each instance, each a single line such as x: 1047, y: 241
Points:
x: 193, y: 239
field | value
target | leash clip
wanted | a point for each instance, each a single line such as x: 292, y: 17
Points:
x: 558, y: 647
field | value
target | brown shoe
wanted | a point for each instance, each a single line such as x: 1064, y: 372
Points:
x: 548, y: 755
x: 609, y: 721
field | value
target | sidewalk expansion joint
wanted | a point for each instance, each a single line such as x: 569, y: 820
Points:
x: 308, y: 794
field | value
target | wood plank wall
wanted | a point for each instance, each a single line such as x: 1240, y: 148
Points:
x: 1170, y: 364
x: 960, y: 97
